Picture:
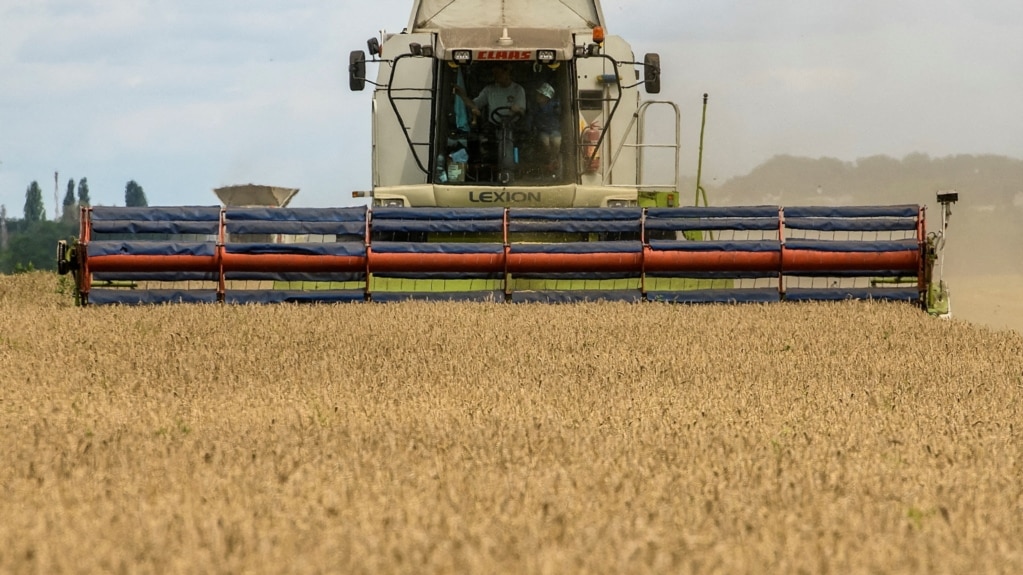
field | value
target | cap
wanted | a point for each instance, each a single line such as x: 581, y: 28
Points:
x: 546, y: 90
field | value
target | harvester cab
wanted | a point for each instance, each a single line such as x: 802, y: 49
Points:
x: 531, y: 105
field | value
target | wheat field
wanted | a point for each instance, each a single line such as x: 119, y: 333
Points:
x: 491, y: 438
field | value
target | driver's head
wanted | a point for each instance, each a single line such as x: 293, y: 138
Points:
x: 502, y: 74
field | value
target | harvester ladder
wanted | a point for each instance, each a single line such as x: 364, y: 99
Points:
x: 638, y: 122
x: 419, y: 95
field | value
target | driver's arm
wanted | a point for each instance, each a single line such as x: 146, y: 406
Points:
x: 470, y: 103
x: 519, y: 104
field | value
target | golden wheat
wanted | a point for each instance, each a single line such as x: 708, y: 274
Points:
x: 471, y: 438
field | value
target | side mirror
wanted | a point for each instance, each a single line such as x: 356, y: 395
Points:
x: 652, y: 73
x: 373, y: 45
x: 357, y: 70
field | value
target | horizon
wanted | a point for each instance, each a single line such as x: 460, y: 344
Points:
x: 814, y: 190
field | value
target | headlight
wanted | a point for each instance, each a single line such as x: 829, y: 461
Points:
x: 622, y: 203
x: 389, y: 203
x: 462, y: 56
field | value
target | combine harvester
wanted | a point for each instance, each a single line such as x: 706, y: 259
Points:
x: 477, y: 195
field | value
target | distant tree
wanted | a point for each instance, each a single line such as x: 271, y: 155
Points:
x: 34, y: 211
x: 68, y: 213
x: 134, y: 195
x: 3, y: 232
x: 32, y: 246
x: 83, y: 192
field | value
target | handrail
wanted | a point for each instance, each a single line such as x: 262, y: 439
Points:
x: 638, y: 121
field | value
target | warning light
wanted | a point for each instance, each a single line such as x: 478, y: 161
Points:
x: 598, y: 34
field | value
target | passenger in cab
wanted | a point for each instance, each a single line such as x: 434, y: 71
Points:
x: 545, y: 118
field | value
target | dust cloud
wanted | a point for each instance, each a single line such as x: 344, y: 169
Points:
x: 984, y: 267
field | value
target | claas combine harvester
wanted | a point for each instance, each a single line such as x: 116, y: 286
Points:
x: 511, y: 162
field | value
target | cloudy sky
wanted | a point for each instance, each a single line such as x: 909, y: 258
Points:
x: 187, y: 95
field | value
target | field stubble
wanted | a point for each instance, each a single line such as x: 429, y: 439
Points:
x: 432, y: 438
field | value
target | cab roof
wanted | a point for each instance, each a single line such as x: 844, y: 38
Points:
x: 438, y: 15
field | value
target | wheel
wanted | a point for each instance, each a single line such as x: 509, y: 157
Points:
x: 503, y: 114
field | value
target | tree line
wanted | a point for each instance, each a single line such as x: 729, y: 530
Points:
x: 980, y: 179
x: 990, y: 187
x: 29, y: 243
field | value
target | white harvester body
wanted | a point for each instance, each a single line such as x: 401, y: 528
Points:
x: 427, y: 152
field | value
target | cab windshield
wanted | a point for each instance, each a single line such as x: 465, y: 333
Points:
x: 504, y: 123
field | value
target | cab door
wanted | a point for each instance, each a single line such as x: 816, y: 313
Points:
x: 402, y: 113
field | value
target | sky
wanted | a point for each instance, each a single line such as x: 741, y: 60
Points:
x: 183, y: 96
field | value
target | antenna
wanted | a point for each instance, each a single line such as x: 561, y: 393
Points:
x: 56, y: 198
